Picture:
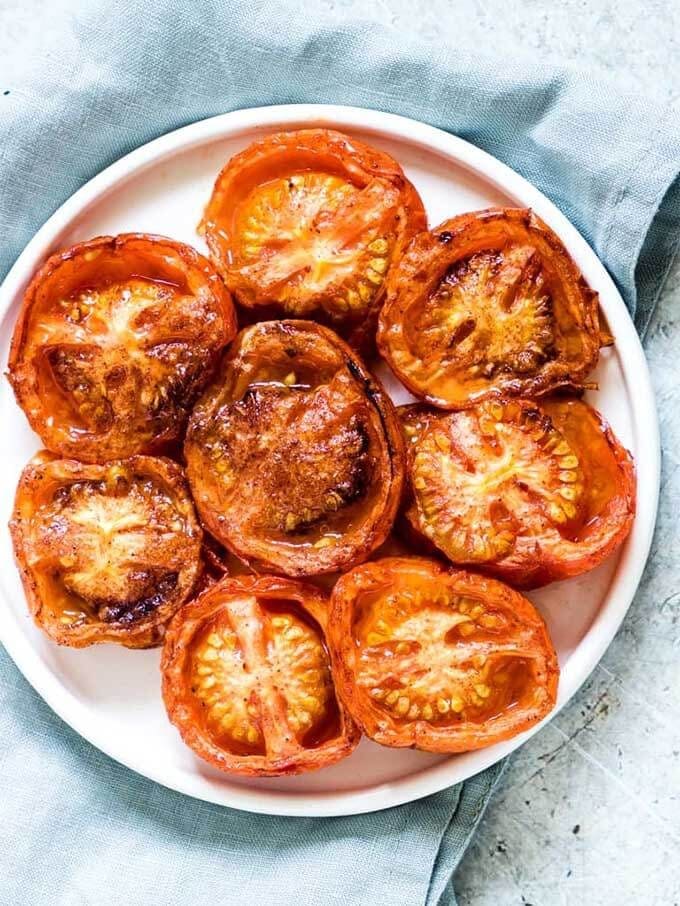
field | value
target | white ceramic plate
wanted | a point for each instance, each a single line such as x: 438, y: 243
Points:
x: 111, y: 696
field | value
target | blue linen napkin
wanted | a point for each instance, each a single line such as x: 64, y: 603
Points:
x: 99, y: 79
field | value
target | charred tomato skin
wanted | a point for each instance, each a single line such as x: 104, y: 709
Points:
x: 69, y: 528
x: 438, y: 659
x: 489, y: 304
x: 222, y: 667
x: 529, y: 491
x: 307, y: 224
x: 115, y: 338
x: 295, y: 454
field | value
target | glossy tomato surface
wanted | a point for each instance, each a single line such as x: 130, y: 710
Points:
x: 295, y: 454
x: 528, y: 491
x: 489, y: 304
x: 438, y: 659
x: 307, y: 224
x: 115, y: 338
x: 107, y: 553
x: 247, y: 679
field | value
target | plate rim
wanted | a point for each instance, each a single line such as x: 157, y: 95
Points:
x: 633, y: 558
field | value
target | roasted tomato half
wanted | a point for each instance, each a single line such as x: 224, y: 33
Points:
x: 437, y: 659
x: 308, y: 224
x: 530, y: 492
x: 107, y: 553
x: 294, y: 454
x: 489, y: 303
x: 247, y: 679
x: 115, y: 339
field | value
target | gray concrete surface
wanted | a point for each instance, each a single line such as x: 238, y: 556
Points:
x: 589, y: 810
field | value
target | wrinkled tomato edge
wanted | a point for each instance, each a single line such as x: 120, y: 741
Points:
x: 618, y: 514
x: 617, y: 517
x: 424, y: 262
x: 176, y: 651
x: 147, y: 633
x: 418, y: 734
x: 22, y: 375
x: 357, y: 162
x: 362, y: 547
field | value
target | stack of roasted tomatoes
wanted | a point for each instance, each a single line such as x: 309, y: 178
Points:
x: 197, y: 482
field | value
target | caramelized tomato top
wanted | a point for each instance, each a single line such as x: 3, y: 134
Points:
x: 115, y: 338
x: 308, y: 223
x: 107, y: 553
x: 247, y: 679
x: 440, y: 660
x: 530, y: 492
x: 488, y: 304
x: 294, y: 454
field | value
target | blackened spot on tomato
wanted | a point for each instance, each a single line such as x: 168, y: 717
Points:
x: 445, y: 237
x: 290, y: 351
x: 462, y: 332
x: 67, y: 494
x: 368, y: 387
x: 357, y: 482
x: 373, y: 394
x: 355, y: 371
x: 128, y: 612
x: 115, y: 377
x: 69, y: 365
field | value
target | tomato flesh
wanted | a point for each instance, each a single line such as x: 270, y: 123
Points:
x: 294, y: 454
x: 487, y: 304
x: 413, y: 665
x: 440, y: 660
x: 108, y: 552
x: 247, y: 679
x: 228, y: 670
x: 490, y: 315
x: 507, y: 487
x: 116, y: 338
x: 308, y: 223
x: 313, y: 240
